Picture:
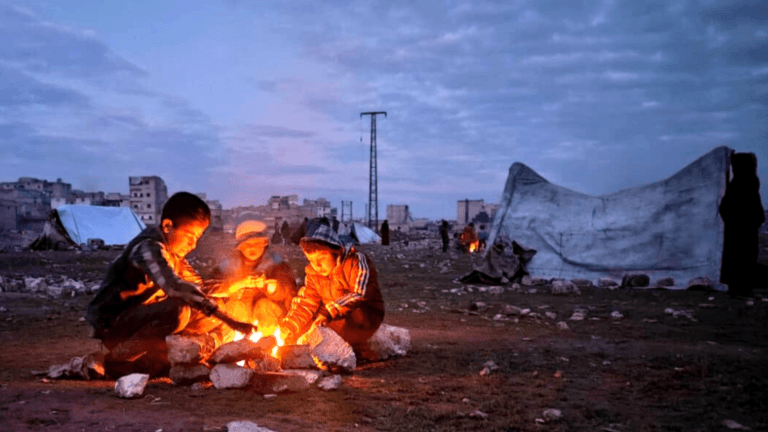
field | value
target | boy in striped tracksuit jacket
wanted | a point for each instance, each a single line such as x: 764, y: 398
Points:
x: 341, y: 291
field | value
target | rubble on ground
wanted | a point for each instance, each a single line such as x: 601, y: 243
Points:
x: 131, y: 386
x: 388, y: 341
x: 330, y: 383
x: 330, y: 349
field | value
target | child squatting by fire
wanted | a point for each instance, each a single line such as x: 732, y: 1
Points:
x: 341, y: 291
x: 255, y: 282
x: 150, y: 291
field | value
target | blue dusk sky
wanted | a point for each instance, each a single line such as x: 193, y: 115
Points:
x: 248, y: 99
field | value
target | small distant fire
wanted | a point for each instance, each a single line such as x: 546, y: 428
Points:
x: 474, y: 246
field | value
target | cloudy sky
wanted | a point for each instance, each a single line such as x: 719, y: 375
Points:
x: 247, y: 99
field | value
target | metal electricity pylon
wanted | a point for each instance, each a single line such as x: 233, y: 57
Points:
x: 373, y: 187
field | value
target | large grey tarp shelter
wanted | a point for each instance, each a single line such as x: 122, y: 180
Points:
x: 667, y: 228
x: 74, y: 225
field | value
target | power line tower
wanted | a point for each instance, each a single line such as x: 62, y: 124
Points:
x: 373, y: 186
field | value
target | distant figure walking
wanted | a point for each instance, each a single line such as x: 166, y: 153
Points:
x: 444, y: 235
x: 285, y: 232
x: 742, y: 212
x: 385, y: 233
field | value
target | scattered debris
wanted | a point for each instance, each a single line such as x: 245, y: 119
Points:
x: 189, y: 349
x: 87, y: 367
x: 617, y: 315
x: 563, y: 287
x: 131, y: 386
x: 226, y: 375
x: 552, y: 414
x: 551, y: 315
x: 246, y: 426
x: 582, y: 283
x: 488, y: 367
x: 330, y: 383
x: 296, y: 357
x: 578, y: 315
x: 243, y: 349
x: 605, y: 282
x: 388, y: 341
x: 188, y: 374
x: 279, y: 382
x: 311, y: 376
x: 562, y: 325
x: 730, y: 424
x: 478, y: 415
x: 330, y: 349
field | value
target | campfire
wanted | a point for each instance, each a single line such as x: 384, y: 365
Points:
x: 474, y: 246
x: 257, y: 336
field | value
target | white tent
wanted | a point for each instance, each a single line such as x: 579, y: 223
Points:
x: 114, y: 225
x: 667, y: 228
x: 364, y: 234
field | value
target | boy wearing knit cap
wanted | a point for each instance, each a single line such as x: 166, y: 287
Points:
x: 341, y: 291
x: 258, y: 283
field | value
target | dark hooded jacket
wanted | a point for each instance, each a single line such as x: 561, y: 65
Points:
x: 353, y: 283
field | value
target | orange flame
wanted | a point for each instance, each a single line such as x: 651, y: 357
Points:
x: 474, y: 246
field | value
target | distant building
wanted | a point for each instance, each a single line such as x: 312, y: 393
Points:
x: 217, y: 219
x: 8, y: 217
x: 475, y: 211
x: 116, y: 199
x: 148, y: 195
x: 398, y: 214
x: 320, y: 207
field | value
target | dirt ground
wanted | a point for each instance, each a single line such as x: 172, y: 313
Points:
x: 647, y: 371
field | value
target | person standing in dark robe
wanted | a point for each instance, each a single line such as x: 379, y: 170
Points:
x: 743, y: 214
x: 385, y: 233
x: 285, y: 232
x: 444, y: 235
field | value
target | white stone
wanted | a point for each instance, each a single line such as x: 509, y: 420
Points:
x: 389, y: 341
x: 562, y: 325
x: 245, y: 426
x: 731, y: 424
x: 616, y: 315
x: 225, y: 375
x: 605, y: 282
x: 552, y: 414
x: 330, y: 349
x: 577, y: 316
x: 189, y: 349
x: 488, y: 367
x: 562, y: 287
x: 311, y: 376
x: 510, y: 310
x: 35, y: 284
x: 330, y: 383
x: 131, y: 386
x: 551, y: 315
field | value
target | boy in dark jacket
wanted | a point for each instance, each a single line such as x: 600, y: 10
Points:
x: 341, y: 291
x: 150, y: 290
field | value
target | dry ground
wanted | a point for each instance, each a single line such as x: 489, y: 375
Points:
x: 646, y: 372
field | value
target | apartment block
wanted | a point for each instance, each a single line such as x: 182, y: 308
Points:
x: 148, y: 195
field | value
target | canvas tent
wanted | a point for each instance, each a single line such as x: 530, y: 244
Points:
x: 667, y: 228
x: 73, y: 225
x: 362, y: 234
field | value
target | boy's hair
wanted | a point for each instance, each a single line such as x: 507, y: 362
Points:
x: 314, y: 245
x: 183, y: 208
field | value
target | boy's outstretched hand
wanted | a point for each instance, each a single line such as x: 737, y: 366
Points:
x: 234, y: 324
